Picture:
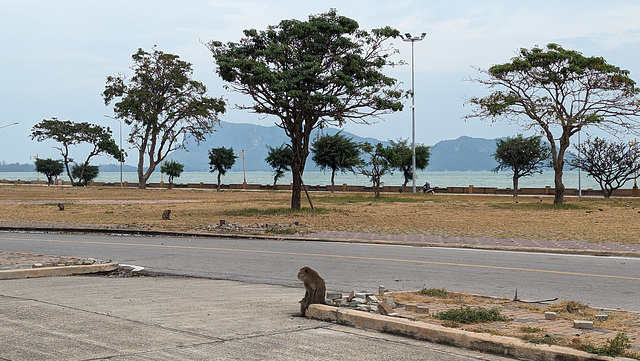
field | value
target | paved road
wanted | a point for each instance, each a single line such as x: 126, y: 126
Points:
x: 598, y: 281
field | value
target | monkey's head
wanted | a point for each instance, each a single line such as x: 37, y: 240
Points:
x: 302, y: 274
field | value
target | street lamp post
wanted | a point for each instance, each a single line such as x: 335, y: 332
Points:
x: 408, y: 38
x: 121, y: 150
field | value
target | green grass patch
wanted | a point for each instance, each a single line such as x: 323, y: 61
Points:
x: 278, y: 230
x: 434, y: 292
x: 252, y: 212
x: 527, y: 329
x: 384, y: 198
x: 539, y: 206
x: 468, y: 315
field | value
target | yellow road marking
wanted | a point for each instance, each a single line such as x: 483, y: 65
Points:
x: 331, y: 256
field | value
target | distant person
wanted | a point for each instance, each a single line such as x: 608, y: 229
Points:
x: 426, y: 188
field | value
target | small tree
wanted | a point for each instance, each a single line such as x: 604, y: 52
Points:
x: 279, y: 159
x: 220, y: 160
x: 378, y: 164
x: 50, y: 168
x: 85, y: 173
x: 172, y: 169
x: 335, y: 152
x: 163, y: 105
x: 403, y: 160
x: 610, y: 163
x: 521, y: 155
x: 69, y: 133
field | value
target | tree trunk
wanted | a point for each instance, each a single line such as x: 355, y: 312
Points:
x: 333, y: 185
x: 275, y: 181
x: 297, y: 185
x: 219, y: 175
x: 515, y: 185
x: 142, y: 177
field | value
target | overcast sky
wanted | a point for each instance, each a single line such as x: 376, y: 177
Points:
x: 56, y: 55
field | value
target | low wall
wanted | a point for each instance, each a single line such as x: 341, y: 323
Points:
x: 546, y: 191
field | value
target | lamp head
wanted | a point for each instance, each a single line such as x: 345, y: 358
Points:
x: 423, y: 35
x: 408, y: 35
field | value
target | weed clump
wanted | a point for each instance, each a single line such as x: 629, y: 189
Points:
x: 468, y: 315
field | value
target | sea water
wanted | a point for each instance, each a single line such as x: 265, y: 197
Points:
x: 571, y: 179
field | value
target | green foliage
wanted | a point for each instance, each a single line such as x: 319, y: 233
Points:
x: 50, y: 168
x: 69, y: 133
x: 220, y: 160
x: 403, y: 160
x: 172, y: 169
x: 311, y: 74
x: 378, y: 164
x: 279, y: 159
x: 610, y: 163
x: 528, y: 329
x: 468, y: 315
x: 335, y: 152
x: 254, y: 212
x: 85, y: 173
x: 559, y: 92
x: 163, y: 105
x: 434, y: 292
x: 613, y: 347
x: 523, y: 156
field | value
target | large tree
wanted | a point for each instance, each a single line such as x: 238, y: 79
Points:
x: 523, y: 156
x: 164, y: 107
x: 336, y: 152
x: 69, y: 134
x: 310, y: 74
x: 279, y: 159
x: 610, y: 163
x: 559, y: 92
x: 403, y: 160
x: 220, y: 160
x: 50, y: 168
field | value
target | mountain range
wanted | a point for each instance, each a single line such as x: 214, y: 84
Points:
x: 461, y: 154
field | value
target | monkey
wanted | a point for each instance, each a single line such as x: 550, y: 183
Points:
x: 61, y: 206
x: 166, y: 214
x: 315, y: 289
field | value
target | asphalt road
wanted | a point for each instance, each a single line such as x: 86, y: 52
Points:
x: 611, y: 282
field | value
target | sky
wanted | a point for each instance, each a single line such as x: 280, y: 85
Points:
x: 56, y: 55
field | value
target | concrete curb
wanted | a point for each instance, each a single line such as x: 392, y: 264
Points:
x: 500, y: 345
x: 57, y: 271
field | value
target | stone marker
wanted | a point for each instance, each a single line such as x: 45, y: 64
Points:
x: 550, y: 316
x: 583, y: 325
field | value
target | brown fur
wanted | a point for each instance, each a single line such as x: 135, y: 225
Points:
x: 61, y: 206
x: 315, y: 289
x: 166, y: 214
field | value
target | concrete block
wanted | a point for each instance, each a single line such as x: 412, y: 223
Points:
x: 389, y: 300
x: 37, y: 265
x: 583, y: 325
x: 551, y: 316
x: 351, y: 296
x: 384, y: 308
x: 423, y: 309
x: 334, y: 295
x: 381, y: 290
x: 602, y: 317
x: 372, y: 298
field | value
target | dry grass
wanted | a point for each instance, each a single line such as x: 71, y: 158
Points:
x: 588, y: 219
